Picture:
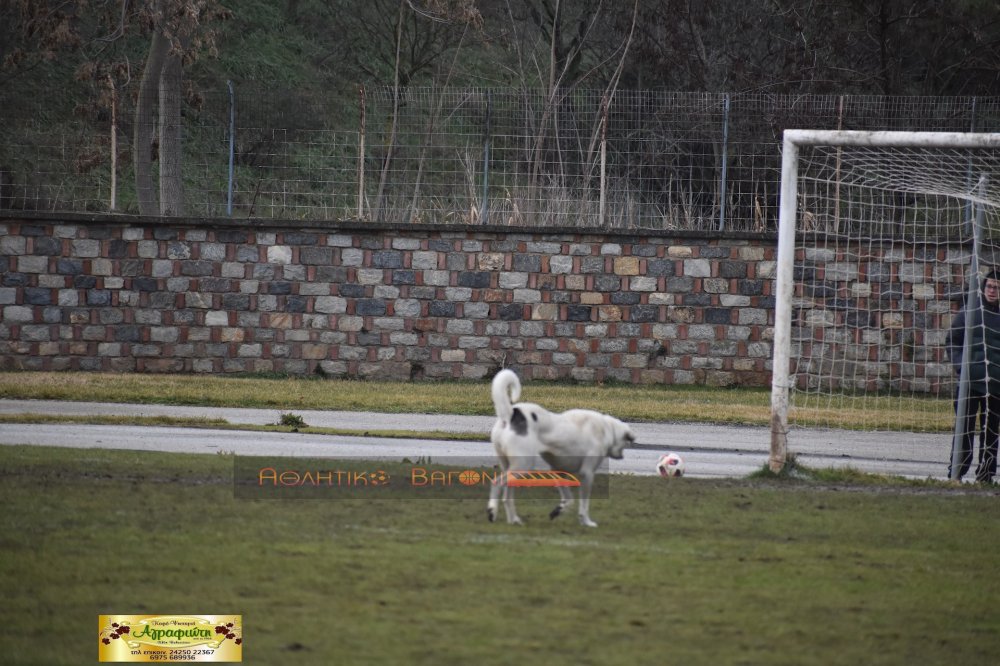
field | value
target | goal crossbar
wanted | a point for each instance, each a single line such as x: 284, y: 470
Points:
x: 959, y: 140
x: 793, y: 139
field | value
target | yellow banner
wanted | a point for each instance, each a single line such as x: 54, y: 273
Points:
x: 166, y: 638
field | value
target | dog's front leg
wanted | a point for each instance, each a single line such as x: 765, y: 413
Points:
x: 586, y: 483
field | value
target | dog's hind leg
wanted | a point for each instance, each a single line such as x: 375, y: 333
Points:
x: 518, y: 463
x: 493, y: 506
x: 508, y: 505
x: 498, y: 489
x: 565, y: 501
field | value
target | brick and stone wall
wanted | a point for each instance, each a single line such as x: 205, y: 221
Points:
x: 126, y: 294
x: 874, y: 316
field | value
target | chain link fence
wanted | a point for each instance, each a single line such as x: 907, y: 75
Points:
x: 637, y: 160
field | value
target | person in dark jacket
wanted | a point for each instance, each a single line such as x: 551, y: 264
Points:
x: 984, y: 379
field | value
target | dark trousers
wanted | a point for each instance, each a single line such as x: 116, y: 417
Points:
x: 988, y: 410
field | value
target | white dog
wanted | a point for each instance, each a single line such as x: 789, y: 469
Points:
x: 576, y: 441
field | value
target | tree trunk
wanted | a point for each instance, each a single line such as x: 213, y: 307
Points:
x: 145, y: 119
x: 171, y: 182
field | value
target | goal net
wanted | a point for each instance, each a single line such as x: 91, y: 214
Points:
x: 882, y: 237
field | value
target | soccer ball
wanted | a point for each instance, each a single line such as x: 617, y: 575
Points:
x: 670, y: 464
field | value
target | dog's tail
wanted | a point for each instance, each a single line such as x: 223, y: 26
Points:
x: 506, y: 391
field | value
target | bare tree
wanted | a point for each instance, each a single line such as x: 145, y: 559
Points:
x: 928, y: 47
x: 177, y: 35
x: 462, y: 12
x: 848, y: 46
x: 390, y: 41
x: 84, y: 33
x: 782, y: 46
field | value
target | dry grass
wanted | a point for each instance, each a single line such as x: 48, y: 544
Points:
x: 739, y: 406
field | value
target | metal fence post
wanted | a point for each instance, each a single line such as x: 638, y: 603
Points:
x: 604, y: 160
x: 725, y: 160
x: 114, y: 144
x: 361, y: 154
x: 485, y: 215
x: 232, y: 147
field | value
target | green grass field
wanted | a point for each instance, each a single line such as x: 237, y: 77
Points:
x: 679, y: 572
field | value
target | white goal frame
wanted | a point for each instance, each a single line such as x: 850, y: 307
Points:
x: 781, y: 381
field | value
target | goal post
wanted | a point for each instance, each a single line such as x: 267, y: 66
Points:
x: 878, y: 236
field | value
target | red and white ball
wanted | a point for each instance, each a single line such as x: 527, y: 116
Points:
x: 670, y: 465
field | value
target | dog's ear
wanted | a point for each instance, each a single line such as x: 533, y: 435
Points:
x: 519, y: 423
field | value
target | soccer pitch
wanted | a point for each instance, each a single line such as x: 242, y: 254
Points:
x: 680, y: 571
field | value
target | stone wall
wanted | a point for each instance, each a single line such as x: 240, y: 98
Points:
x: 128, y: 294
x: 874, y: 316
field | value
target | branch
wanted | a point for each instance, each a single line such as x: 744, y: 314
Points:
x: 120, y: 30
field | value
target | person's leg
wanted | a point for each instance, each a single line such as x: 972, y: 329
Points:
x: 988, y: 449
x: 972, y: 407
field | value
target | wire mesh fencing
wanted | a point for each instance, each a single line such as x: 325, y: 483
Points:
x: 577, y: 158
